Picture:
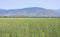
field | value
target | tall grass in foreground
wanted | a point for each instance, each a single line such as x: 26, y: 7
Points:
x: 29, y: 27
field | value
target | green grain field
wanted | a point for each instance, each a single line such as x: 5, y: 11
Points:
x: 29, y: 27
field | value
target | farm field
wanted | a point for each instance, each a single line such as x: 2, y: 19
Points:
x: 29, y: 27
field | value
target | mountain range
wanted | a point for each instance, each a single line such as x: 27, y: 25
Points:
x: 30, y: 12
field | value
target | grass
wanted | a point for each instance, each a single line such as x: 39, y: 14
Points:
x: 29, y: 27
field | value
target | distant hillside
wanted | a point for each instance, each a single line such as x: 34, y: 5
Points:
x: 30, y: 12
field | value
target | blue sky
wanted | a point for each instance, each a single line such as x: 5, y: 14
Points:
x: 18, y: 4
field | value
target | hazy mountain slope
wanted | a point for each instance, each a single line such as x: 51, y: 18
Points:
x: 58, y: 12
x: 30, y: 12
